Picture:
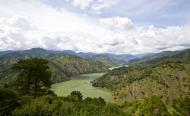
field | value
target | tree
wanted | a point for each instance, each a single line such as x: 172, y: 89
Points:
x: 34, y: 74
x: 8, y: 101
x: 64, y: 106
x: 76, y: 96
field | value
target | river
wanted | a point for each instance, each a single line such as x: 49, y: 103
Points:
x: 83, y: 84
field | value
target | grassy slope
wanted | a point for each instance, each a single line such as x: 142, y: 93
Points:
x: 168, y: 78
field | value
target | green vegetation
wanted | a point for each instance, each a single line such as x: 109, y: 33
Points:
x: 34, y: 74
x: 163, y: 56
x: 108, y: 60
x: 72, y: 105
x: 166, y: 76
x: 108, y: 80
x: 154, y: 87
x: 181, y: 107
x: 62, y: 68
x: 164, y: 79
x: 8, y: 101
x: 152, y: 106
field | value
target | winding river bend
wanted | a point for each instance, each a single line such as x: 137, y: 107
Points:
x: 83, y: 84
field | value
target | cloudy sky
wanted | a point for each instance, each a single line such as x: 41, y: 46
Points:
x: 116, y: 26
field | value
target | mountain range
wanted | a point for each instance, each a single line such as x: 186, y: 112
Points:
x: 114, y: 59
x: 150, y: 80
x: 63, y: 64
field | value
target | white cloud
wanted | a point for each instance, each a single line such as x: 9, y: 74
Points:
x: 14, y: 33
x: 118, y: 23
x: 39, y: 25
x: 95, y: 6
x: 83, y: 4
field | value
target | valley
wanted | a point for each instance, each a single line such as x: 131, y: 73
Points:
x: 81, y: 82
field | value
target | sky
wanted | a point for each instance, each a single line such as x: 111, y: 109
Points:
x: 113, y: 26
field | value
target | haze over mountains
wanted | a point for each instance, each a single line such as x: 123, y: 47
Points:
x: 44, y: 52
x: 117, y: 58
x: 39, y: 52
x: 109, y: 59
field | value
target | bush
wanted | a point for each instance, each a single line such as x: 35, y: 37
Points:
x: 76, y: 96
x: 96, y: 101
x: 64, y: 106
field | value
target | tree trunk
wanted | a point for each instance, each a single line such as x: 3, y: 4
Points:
x: 28, y: 87
x: 35, y: 88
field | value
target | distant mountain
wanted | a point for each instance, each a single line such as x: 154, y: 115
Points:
x: 158, y: 57
x: 29, y: 53
x: 2, y: 53
x: 107, y: 58
x: 112, y: 60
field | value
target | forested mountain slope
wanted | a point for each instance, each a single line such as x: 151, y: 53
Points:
x: 159, y: 57
x: 167, y: 76
x: 63, y: 67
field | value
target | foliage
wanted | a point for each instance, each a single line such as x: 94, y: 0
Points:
x: 74, y: 105
x: 154, y: 106
x: 159, y: 85
x: 76, y: 96
x: 163, y: 79
x: 61, y: 106
x: 8, y: 101
x: 63, y: 67
x: 115, y: 75
x: 151, y: 106
x: 34, y: 74
x: 181, y: 106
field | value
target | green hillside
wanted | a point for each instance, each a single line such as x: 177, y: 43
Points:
x: 168, y: 78
x: 63, y: 67
x: 159, y: 57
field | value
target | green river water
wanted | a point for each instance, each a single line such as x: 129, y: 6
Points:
x: 83, y: 84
